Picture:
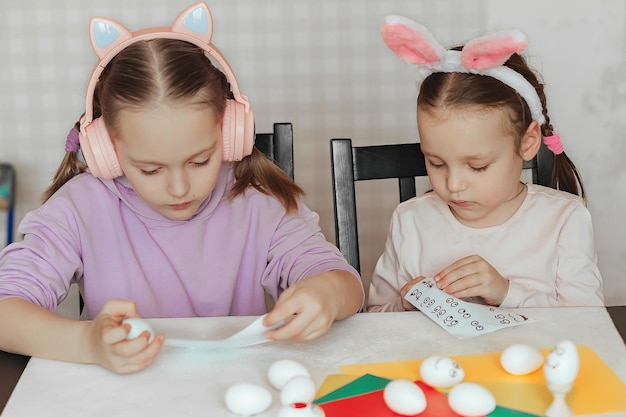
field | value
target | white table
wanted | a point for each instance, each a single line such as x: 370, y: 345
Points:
x: 193, y: 383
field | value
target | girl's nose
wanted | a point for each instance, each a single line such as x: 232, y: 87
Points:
x: 455, y: 181
x: 178, y: 184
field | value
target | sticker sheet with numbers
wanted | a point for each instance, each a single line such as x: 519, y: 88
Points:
x: 458, y: 317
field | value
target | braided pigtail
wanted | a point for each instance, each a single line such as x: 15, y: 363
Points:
x: 565, y: 175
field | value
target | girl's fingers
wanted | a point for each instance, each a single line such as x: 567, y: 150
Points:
x: 120, y: 308
x: 129, y: 359
x: 129, y: 348
x: 458, y: 270
x: 302, y: 326
x: 115, y: 333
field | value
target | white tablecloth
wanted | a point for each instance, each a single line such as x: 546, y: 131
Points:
x: 193, y: 383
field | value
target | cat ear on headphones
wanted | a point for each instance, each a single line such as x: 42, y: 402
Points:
x: 196, y: 21
x: 106, y: 34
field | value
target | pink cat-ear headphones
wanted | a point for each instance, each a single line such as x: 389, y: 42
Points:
x: 194, y: 25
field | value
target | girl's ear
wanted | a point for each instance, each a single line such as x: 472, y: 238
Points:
x: 531, y: 141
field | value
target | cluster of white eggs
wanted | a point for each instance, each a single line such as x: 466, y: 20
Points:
x: 469, y: 399
x: 465, y: 398
x: 290, y: 378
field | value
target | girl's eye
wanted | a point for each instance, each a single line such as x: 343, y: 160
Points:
x: 434, y: 165
x: 151, y: 172
x: 480, y: 169
x: 201, y: 164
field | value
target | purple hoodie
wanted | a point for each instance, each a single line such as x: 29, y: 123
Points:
x: 220, y: 262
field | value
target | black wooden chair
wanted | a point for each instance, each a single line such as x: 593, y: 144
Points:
x: 402, y: 161
x: 7, y: 196
x: 278, y: 146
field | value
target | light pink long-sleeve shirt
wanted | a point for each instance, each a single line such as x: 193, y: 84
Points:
x: 546, y: 250
x: 220, y: 262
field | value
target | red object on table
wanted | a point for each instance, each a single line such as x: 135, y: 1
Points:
x: 373, y: 404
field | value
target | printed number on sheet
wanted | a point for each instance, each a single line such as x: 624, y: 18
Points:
x: 458, y: 317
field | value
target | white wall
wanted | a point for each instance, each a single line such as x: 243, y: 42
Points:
x: 322, y: 66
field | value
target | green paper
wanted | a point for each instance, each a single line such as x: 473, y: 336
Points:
x: 507, y: 412
x: 362, y: 385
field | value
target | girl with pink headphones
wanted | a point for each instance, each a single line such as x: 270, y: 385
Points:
x: 170, y: 212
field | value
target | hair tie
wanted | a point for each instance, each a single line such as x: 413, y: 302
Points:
x: 72, y: 143
x: 553, y: 142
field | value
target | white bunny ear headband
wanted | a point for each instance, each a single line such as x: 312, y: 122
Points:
x: 414, y: 44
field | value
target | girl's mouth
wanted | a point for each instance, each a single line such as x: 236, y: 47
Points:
x: 181, y: 206
x: 461, y: 203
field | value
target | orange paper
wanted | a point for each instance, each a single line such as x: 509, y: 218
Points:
x: 596, y: 390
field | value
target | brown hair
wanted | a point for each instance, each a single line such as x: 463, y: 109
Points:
x: 465, y: 90
x: 159, y: 71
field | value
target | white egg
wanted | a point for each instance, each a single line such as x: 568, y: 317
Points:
x: 404, y: 397
x: 561, y: 366
x: 441, y: 372
x: 298, y: 390
x: 246, y: 399
x: 470, y: 400
x: 283, y: 370
x: 137, y: 327
x: 521, y: 359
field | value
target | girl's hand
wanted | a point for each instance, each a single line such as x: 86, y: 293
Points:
x: 107, y: 339
x: 472, y: 276
x: 405, y: 288
x: 310, y: 306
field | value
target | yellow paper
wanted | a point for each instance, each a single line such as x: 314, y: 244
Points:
x: 596, y: 389
x: 333, y: 382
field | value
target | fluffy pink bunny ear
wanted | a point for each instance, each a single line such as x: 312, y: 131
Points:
x: 412, y: 42
x: 492, y: 50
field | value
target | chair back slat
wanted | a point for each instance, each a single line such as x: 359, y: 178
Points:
x: 388, y: 161
x: 346, y: 229
x: 406, y: 187
x: 283, y: 147
x: 278, y: 146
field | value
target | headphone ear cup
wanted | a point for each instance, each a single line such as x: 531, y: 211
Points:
x: 98, y: 150
x: 237, y: 131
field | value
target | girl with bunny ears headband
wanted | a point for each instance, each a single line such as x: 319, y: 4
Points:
x: 495, y: 56
x: 482, y: 234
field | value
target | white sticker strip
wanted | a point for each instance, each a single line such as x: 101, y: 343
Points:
x: 458, y: 317
x: 254, y: 334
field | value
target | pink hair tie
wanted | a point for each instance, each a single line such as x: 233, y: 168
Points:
x: 72, y: 144
x: 553, y: 142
